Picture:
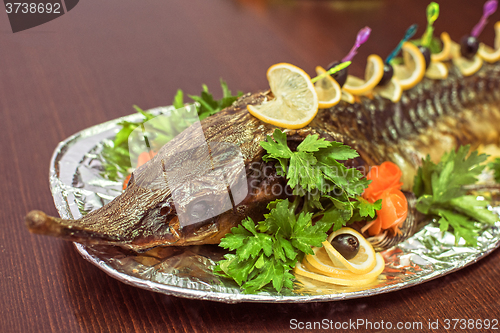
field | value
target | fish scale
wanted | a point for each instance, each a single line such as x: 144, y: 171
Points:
x: 431, y: 118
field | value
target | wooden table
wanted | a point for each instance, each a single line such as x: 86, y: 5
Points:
x: 93, y: 63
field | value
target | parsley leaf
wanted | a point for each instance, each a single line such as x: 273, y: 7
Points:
x: 301, y: 171
x: 267, y: 253
x: 336, y: 151
x: 461, y: 224
x: 446, y: 179
x: 315, y: 165
x: 495, y: 166
x: 178, y: 101
x: 311, y: 144
x: 367, y: 208
x: 440, y: 192
x: 305, y: 234
x: 207, y: 104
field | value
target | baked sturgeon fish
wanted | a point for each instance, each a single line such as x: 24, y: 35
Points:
x: 433, y: 117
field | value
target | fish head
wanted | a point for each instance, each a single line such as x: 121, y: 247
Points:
x: 203, y: 186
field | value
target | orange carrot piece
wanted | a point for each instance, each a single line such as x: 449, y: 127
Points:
x: 386, y: 185
x: 383, y: 177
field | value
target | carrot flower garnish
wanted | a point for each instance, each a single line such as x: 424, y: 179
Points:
x: 386, y: 185
x: 384, y: 176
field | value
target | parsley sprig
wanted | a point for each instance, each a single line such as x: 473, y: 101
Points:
x: 207, y: 105
x: 324, y: 189
x: 116, y: 153
x: 314, y: 171
x: 440, y: 192
x: 495, y: 166
x: 267, y: 252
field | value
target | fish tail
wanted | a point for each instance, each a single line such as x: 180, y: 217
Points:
x: 40, y: 223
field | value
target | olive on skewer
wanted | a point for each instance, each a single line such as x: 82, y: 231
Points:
x: 341, y: 76
x: 469, y: 44
x: 388, y: 70
x: 425, y: 42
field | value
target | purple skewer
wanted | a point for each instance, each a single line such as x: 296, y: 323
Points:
x: 362, y: 37
x: 489, y: 8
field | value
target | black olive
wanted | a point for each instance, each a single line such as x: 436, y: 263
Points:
x: 340, y: 76
x: 347, y: 245
x: 468, y: 46
x: 388, y: 74
x: 427, y: 55
x: 199, y: 210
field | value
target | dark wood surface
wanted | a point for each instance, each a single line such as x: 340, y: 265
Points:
x: 92, y: 64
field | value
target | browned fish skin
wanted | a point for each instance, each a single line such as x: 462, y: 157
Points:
x: 433, y: 117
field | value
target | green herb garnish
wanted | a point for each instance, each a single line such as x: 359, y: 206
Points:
x: 495, y: 166
x: 440, y: 192
x: 267, y: 252
x: 116, y: 153
x: 207, y: 104
x: 365, y: 209
x: 314, y: 166
x: 322, y: 187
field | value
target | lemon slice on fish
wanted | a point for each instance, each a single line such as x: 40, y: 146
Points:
x: 362, y: 263
x: 413, y: 70
x: 347, y: 97
x: 489, y: 54
x: 373, y: 74
x: 467, y: 67
x: 445, y: 51
x: 328, y: 90
x: 352, y: 280
x: 295, y: 102
x: 391, y: 90
x: 437, y: 70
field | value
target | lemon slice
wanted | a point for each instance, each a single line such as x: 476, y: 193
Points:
x: 437, y: 70
x: 487, y: 53
x: 391, y: 90
x: 413, y: 69
x: 454, y: 50
x: 467, y: 67
x: 328, y: 90
x: 295, y: 104
x: 373, y: 74
x: 352, y: 281
x: 320, y: 262
x: 347, y: 97
x: 362, y: 263
x: 445, y: 52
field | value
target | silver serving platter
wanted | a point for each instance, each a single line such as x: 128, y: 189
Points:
x: 79, y: 185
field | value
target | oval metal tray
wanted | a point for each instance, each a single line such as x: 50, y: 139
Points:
x: 79, y: 184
